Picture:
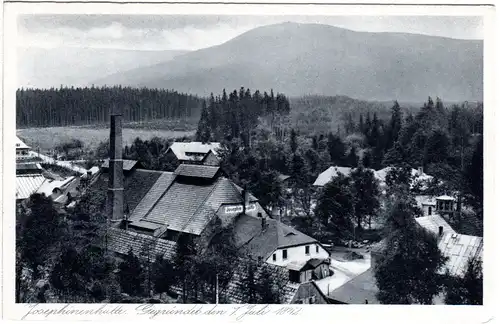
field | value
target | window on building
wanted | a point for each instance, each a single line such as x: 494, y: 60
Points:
x: 317, y: 248
x: 274, y: 256
x: 430, y: 211
x: 312, y: 299
x: 285, y: 254
x: 307, y: 250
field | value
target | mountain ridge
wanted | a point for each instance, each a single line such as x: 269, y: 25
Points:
x: 324, y: 60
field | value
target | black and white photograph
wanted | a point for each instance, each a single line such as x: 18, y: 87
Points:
x: 248, y: 159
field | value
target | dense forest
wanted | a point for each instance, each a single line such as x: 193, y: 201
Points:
x: 238, y: 114
x: 90, y: 106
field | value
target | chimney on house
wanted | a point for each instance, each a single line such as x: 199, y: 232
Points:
x: 245, y: 199
x: 115, y: 185
x: 440, y: 231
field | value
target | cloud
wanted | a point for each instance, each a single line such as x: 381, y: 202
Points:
x: 195, y: 32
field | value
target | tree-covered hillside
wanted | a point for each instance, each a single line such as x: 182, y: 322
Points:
x: 88, y: 106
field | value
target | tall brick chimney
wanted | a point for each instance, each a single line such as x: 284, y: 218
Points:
x: 115, y: 185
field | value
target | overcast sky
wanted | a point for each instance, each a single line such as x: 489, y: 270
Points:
x: 195, y: 32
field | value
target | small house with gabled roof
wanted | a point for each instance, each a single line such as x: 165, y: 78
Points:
x: 194, y: 153
x: 269, y: 240
x: 22, y: 150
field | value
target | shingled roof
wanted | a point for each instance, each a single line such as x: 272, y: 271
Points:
x: 137, y: 184
x: 361, y: 289
x: 196, y: 171
x: 175, y: 202
x: 185, y: 207
x: 121, y: 241
x: 127, y: 164
x: 432, y: 224
x: 235, y: 292
x: 257, y: 241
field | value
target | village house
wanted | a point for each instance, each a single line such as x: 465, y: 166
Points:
x: 266, y: 239
x: 427, y: 204
x: 22, y: 150
x: 418, y: 176
x: 29, y: 178
x: 194, y: 153
x: 330, y: 173
x: 362, y: 289
x: 459, y: 248
x: 32, y: 178
x: 61, y: 192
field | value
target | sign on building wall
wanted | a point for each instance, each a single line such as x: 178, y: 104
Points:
x: 235, y: 209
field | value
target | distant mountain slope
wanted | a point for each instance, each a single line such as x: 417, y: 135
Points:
x: 70, y: 66
x: 299, y: 59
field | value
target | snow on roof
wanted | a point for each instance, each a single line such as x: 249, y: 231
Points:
x: 330, y: 173
x: 20, y: 144
x: 189, y: 151
x: 459, y: 249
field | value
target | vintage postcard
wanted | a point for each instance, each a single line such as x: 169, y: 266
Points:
x: 246, y: 162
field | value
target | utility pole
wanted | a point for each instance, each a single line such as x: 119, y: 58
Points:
x: 216, y: 288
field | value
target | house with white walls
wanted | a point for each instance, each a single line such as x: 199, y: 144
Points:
x: 273, y: 242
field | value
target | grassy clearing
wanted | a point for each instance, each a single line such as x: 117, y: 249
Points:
x: 47, y: 138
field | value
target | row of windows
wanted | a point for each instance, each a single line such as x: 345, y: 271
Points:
x: 310, y: 300
x: 285, y: 252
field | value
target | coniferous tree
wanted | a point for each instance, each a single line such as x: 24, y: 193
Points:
x: 352, y: 158
x: 203, y: 132
x: 395, y: 124
x: 163, y: 275
x: 366, y: 193
x: 335, y: 207
x: 367, y: 159
x: 293, y: 141
x: 466, y: 290
x: 131, y: 274
x: 407, y: 272
x: 474, y: 177
x: 38, y: 229
x: 436, y: 148
x: 249, y: 284
x: 336, y: 148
